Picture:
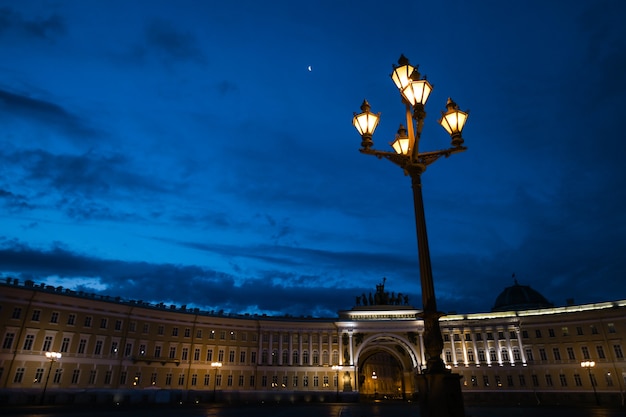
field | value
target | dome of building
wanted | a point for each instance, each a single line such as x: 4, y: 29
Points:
x: 520, y: 297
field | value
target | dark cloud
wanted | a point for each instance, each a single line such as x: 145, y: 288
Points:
x: 45, y: 113
x: 48, y: 28
x: 173, y: 43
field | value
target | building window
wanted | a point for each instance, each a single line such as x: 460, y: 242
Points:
x: 220, y: 355
x: 36, y: 315
x: 585, y: 352
x: 196, y: 354
x: 493, y: 356
x: 600, y: 351
x: 38, y: 375
x: 17, y: 312
x: 474, y: 381
x: 54, y: 317
x: 242, y: 356
x: 448, y: 356
x: 142, y: 350
x: 168, y: 379
x: 28, y: 342
x: 118, y: 325
x: 316, y: 381
x: 525, y: 334
x: 19, y: 375
x: 8, y: 340
x: 577, y: 380
x: 82, y: 345
x: 594, y: 329
x: 516, y: 355
x: 481, y: 355
x: 222, y: 335
x: 489, y: 336
x: 557, y: 354
x: 570, y: 354
x: 128, y: 350
x: 294, y: 357
x: 65, y: 344
x: 103, y: 323
x: 92, y: 377
x: 563, y: 380
x: 175, y: 331
x: 479, y: 336
x: 618, y: 352
x: 229, y: 381
x: 549, y: 380
x: 252, y: 381
x: 233, y: 336
x: 457, y: 337
x: 132, y: 326
x: 509, y: 380
x: 498, y: 381
x: 609, y: 379
x: 522, y: 380
x: 207, y: 379
x: 160, y: 330
x: 551, y: 332
x: 108, y: 376
x: 209, y: 355
x: 579, y: 330
x: 611, y: 327
x: 264, y: 381
x: 316, y: 357
x: 542, y: 354
x: 564, y: 331
x: 187, y: 332
x: 529, y: 354
x: 244, y: 337
x: 241, y: 379
x: 535, y: 380
x: 468, y: 337
x: 231, y: 356
x: 274, y: 357
x: 181, y: 379
x: 305, y: 357
x: 212, y: 335
x: 326, y: 381
x: 123, y: 376
x: 218, y: 380
x: 47, y: 344
x: 500, y: 335
x: 198, y: 334
x: 75, y: 376
x: 505, y: 355
x: 57, y: 376
x: 512, y: 335
x: 194, y: 379
x: 71, y: 319
x: 184, y: 354
x: 305, y: 381
x: 172, y: 352
x: 252, y: 357
x: 98, y: 349
x: 538, y: 334
x: 486, y: 380
x: 87, y: 322
x: 470, y: 355
x: 157, y: 351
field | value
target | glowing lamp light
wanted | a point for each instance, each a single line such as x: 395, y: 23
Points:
x: 401, y: 74
x: 53, y: 356
x: 365, y: 122
x: 216, y: 364
x: 402, y: 144
x: 453, y: 120
x: 417, y: 90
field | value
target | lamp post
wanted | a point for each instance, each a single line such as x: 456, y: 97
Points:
x: 590, y: 365
x: 337, y: 368
x: 439, y: 389
x: 52, y: 357
x: 216, y: 366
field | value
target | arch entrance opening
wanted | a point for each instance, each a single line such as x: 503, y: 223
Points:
x: 385, y: 370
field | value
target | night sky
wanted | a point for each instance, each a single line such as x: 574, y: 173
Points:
x: 203, y: 153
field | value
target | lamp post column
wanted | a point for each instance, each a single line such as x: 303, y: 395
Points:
x: 433, y: 342
x: 52, y: 357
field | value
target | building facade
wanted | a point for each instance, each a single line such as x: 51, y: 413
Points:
x: 115, y: 350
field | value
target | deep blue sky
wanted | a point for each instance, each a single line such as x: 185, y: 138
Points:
x: 182, y: 151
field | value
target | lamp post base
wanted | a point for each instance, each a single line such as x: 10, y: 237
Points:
x: 440, y: 395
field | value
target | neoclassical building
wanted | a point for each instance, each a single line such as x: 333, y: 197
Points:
x: 114, y: 350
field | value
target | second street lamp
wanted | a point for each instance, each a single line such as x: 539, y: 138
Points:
x: 439, y: 390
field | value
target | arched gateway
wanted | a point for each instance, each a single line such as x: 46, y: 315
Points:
x: 384, y: 344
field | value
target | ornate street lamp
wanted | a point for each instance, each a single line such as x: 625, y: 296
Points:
x: 590, y: 365
x: 216, y: 366
x: 52, y: 357
x: 337, y: 368
x: 439, y: 389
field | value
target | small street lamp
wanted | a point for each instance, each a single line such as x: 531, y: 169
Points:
x: 439, y: 389
x: 337, y: 368
x: 216, y: 366
x: 52, y: 357
x: 375, y: 379
x: 590, y: 365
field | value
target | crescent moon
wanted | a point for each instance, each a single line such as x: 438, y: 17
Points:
x: 310, y: 69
